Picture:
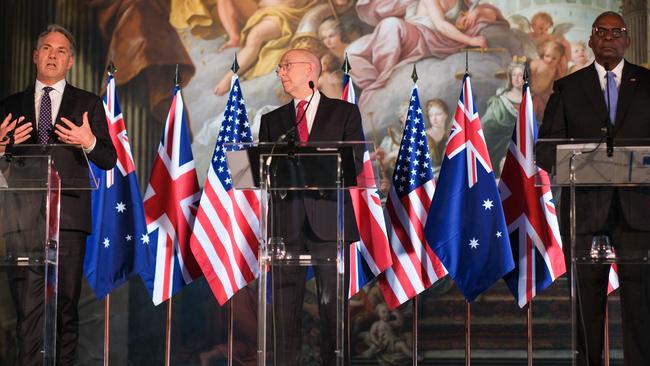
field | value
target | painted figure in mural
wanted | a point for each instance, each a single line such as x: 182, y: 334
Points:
x: 334, y: 39
x: 542, y: 31
x: 501, y: 114
x: 388, y: 149
x: 265, y: 37
x: 580, y: 57
x: 407, y: 31
x: 544, y: 72
x: 385, y: 342
x: 438, y: 132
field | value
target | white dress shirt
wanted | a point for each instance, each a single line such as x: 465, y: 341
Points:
x: 56, y: 96
x: 618, y: 71
x: 310, y: 113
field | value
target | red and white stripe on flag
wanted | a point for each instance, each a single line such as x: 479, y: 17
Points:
x: 371, y: 225
x: 612, y: 283
x: 415, y: 267
x: 225, y: 236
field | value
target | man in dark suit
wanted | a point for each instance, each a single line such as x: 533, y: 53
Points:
x: 307, y: 220
x: 62, y: 114
x: 578, y: 109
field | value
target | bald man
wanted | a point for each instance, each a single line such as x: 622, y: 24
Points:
x: 307, y: 220
x: 578, y: 109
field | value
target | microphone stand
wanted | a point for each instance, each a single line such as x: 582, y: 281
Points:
x: 291, y: 133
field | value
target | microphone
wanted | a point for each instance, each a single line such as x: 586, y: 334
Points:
x: 291, y: 133
x: 609, y: 141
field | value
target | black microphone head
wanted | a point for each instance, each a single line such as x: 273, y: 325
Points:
x: 311, y: 84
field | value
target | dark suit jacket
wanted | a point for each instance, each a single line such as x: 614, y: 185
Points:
x: 335, y: 120
x: 75, y: 204
x: 577, y: 109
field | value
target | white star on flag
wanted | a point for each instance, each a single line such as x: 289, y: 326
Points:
x: 121, y: 207
x: 498, y: 234
x: 473, y: 243
x: 145, y: 239
x: 107, y: 243
x: 487, y: 204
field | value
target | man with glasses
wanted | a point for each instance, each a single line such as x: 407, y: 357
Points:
x: 307, y: 220
x: 609, y: 97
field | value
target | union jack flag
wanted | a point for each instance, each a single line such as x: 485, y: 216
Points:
x: 466, y: 227
x: 612, y: 283
x: 226, y: 230
x: 415, y: 267
x: 113, y: 251
x: 530, y: 212
x: 170, y: 208
x: 371, y: 255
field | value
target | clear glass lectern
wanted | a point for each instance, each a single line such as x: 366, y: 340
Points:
x: 292, y: 180
x: 600, y: 187
x: 30, y: 196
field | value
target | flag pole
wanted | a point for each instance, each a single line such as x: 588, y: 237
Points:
x: 415, y: 329
x: 529, y: 322
x: 468, y: 338
x: 168, y: 318
x: 606, y: 345
x: 231, y: 312
x: 107, y: 327
x: 414, y: 325
x: 110, y: 69
x: 168, y: 333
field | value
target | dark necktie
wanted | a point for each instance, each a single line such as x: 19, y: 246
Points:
x: 45, y: 116
x: 613, y: 95
x: 303, y: 131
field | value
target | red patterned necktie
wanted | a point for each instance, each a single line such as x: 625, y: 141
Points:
x: 303, y: 131
x: 45, y: 116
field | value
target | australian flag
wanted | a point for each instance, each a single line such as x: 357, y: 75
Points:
x: 118, y: 215
x: 466, y: 227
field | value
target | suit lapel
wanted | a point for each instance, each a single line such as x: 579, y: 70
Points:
x: 67, y: 104
x: 625, y: 94
x: 28, y: 105
x: 595, y: 94
x: 320, y: 120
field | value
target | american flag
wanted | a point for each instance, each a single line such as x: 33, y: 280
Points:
x: 415, y: 267
x: 225, y: 238
x: 170, y: 208
x: 530, y: 212
x: 371, y: 255
x: 113, y: 251
x: 466, y: 227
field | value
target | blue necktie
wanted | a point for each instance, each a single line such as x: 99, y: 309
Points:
x: 613, y: 95
x: 45, y: 116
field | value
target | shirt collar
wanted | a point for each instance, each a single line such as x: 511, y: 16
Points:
x: 59, y: 86
x: 314, y: 101
x: 617, y: 70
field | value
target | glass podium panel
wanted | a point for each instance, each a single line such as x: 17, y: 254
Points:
x: 30, y: 192
x: 301, y: 288
x: 604, y: 196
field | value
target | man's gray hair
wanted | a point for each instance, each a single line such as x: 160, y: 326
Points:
x: 59, y: 29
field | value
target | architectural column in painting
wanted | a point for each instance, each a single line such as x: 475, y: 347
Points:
x: 635, y: 13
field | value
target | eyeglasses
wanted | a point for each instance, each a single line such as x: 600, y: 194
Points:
x: 615, y: 32
x: 285, y: 66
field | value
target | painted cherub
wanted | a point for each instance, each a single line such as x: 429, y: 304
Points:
x: 383, y: 337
